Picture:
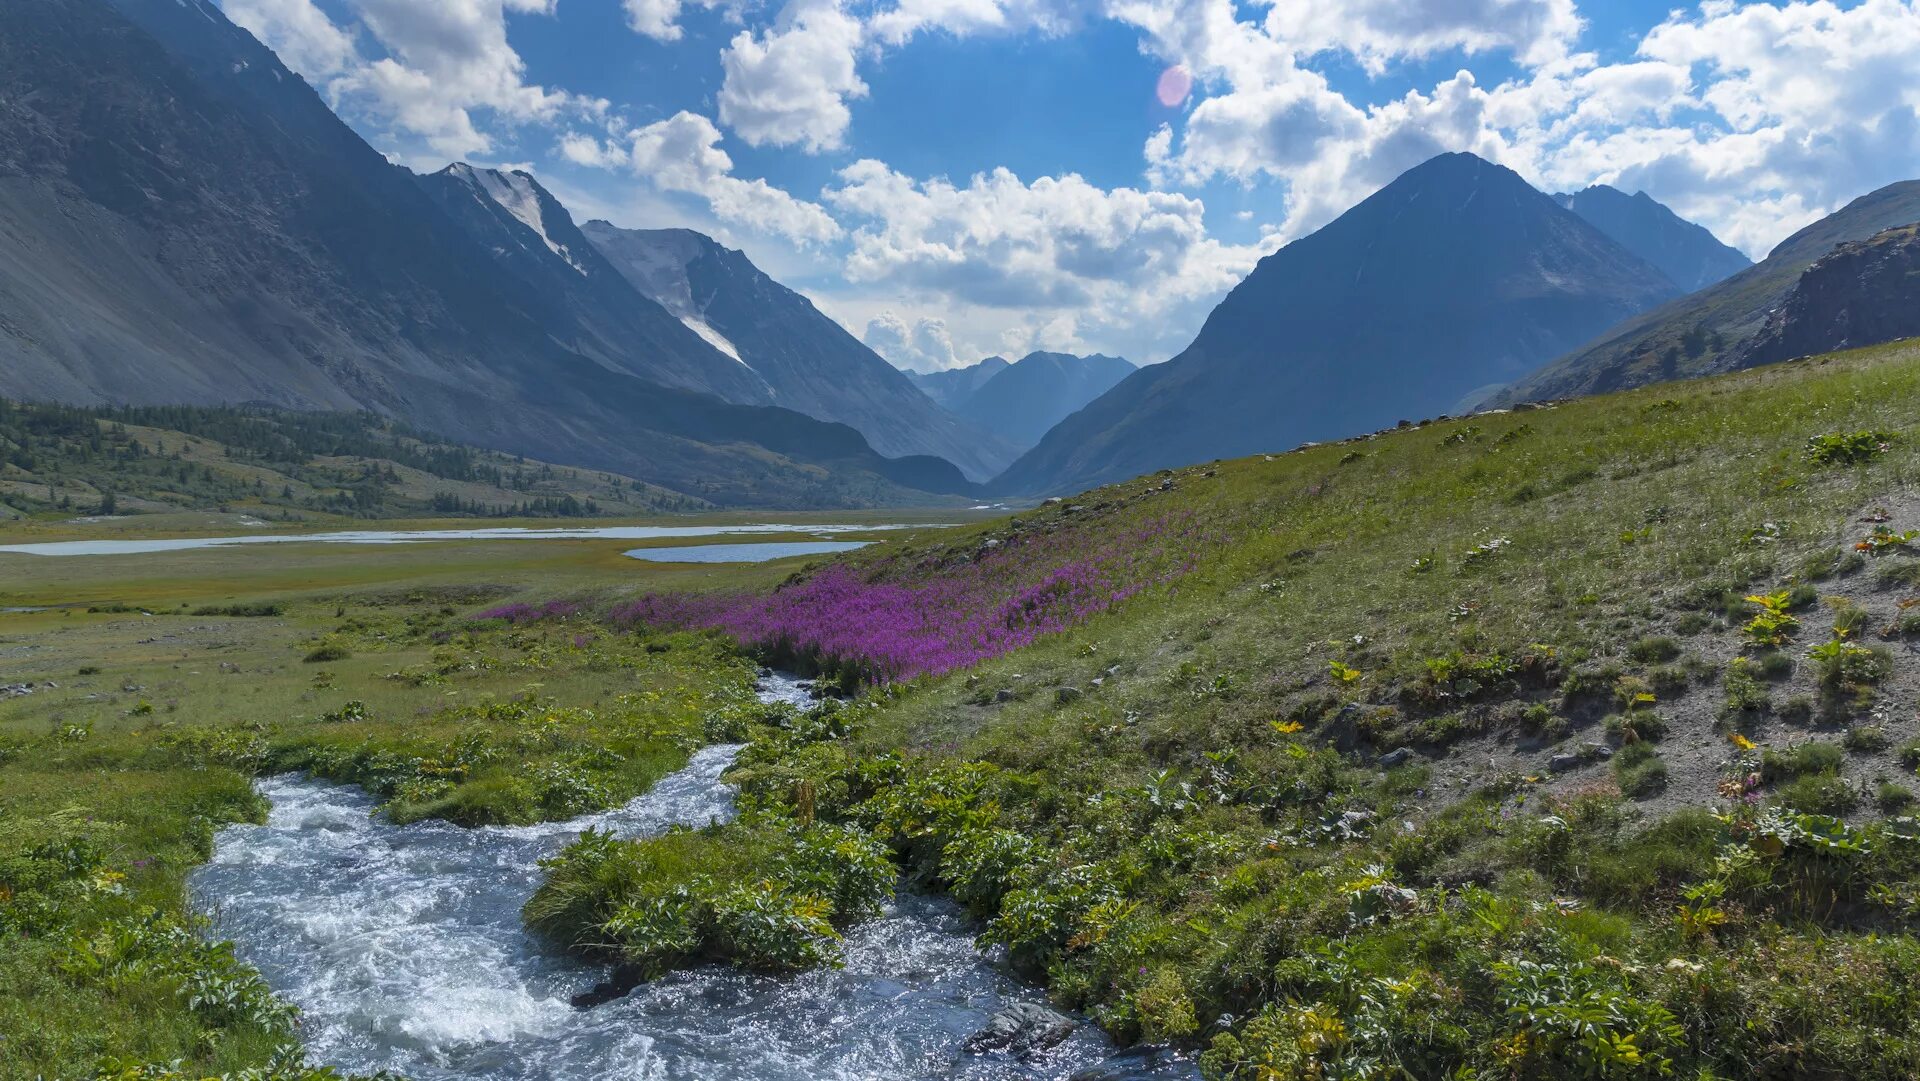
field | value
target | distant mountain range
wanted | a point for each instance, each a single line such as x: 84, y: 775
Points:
x: 1021, y: 401
x: 807, y: 361
x: 186, y: 221
x: 1706, y: 332
x: 1688, y: 254
x: 1451, y: 281
x: 953, y: 386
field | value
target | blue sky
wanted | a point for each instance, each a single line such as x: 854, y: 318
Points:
x: 952, y: 178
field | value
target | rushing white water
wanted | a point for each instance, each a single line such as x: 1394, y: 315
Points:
x: 403, y: 947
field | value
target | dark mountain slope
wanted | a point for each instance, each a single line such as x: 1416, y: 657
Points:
x: 574, y: 293
x: 952, y: 387
x: 1029, y: 397
x: 200, y: 229
x: 809, y: 361
x: 1456, y: 276
x: 1704, y: 332
x: 1858, y: 294
x: 1687, y: 253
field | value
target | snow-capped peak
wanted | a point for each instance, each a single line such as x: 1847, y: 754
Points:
x: 516, y: 194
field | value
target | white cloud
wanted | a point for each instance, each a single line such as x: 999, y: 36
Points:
x: 682, y: 154
x: 1752, y: 119
x: 1375, y: 32
x: 658, y: 19
x: 789, y: 86
x: 1057, y: 262
x: 926, y: 346
x: 445, y: 61
x: 300, y: 33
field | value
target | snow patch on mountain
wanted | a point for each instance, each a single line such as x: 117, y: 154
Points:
x: 656, y: 262
x: 713, y: 337
x: 514, y: 193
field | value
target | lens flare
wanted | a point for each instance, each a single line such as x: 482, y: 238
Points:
x: 1175, y: 85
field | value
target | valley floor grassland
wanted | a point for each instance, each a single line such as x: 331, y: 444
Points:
x: 1573, y: 742
x: 161, y: 683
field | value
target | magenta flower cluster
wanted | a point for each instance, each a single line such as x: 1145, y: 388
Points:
x: 898, y: 618
x: 519, y: 613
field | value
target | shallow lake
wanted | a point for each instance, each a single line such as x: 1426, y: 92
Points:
x: 107, y: 547
x: 403, y: 947
x: 742, y: 553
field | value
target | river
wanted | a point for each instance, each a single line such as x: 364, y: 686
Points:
x: 403, y: 948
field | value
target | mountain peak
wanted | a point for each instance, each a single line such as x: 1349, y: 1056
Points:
x: 1685, y: 252
x: 1453, y: 279
x: 521, y: 196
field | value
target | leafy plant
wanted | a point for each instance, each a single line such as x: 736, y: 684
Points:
x: 1773, y: 625
x: 1849, y: 448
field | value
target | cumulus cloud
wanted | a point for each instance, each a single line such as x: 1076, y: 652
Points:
x: 658, y: 19
x: 1056, y: 263
x: 1752, y: 119
x: 300, y: 33
x: 682, y: 154
x: 925, y: 346
x: 445, y: 61
x: 1375, y: 32
x: 789, y: 86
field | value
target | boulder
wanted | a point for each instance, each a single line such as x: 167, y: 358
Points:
x: 1022, y: 1029
x: 1397, y: 758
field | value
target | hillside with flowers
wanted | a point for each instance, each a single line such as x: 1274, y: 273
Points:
x: 1573, y: 741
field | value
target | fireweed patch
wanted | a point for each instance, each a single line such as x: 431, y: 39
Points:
x: 900, y: 618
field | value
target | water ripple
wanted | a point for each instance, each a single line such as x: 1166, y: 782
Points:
x: 403, y: 947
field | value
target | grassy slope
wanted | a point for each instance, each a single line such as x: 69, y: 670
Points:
x: 48, y: 470
x: 1161, y: 844
x: 1165, y: 847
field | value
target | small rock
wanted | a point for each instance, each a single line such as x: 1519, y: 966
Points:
x: 1397, y: 758
x: 1003, y: 695
x: 1022, y: 1029
x: 1564, y: 763
x: 1597, y: 750
x: 1066, y: 695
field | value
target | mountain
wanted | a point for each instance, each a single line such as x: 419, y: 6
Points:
x: 1858, y: 294
x: 1027, y: 398
x: 1456, y: 276
x: 1705, y: 332
x: 185, y: 221
x: 807, y: 361
x: 1687, y: 253
x: 574, y: 293
x: 953, y: 386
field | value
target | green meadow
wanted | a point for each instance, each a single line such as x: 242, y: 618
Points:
x: 1569, y: 742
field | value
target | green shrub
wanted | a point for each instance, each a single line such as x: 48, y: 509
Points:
x: 764, y: 895
x: 1845, y: 664
x: 1820, y: 794
x: 1910, y: 754
x: 1744, y: 690
x: 1866, y: 739
x: 1892, y: 797
x: 1848, y: 448
x: 1654, y: 650
x: 1808, y: 758
x: 1638, y: 770
x: 328, y: 649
